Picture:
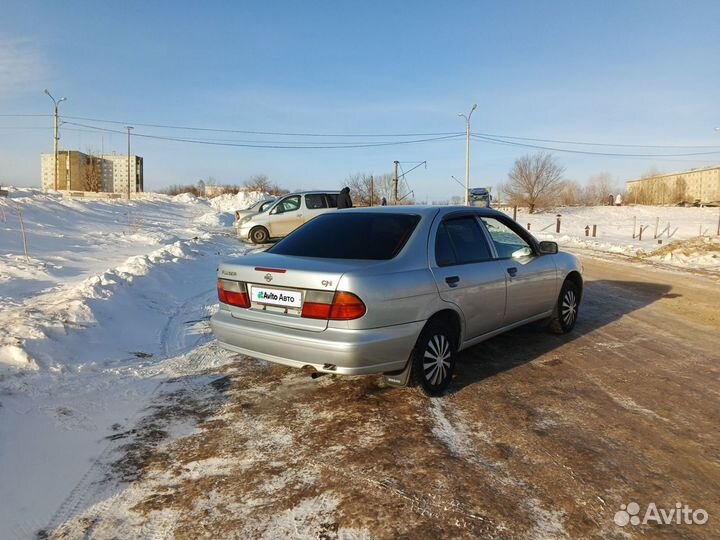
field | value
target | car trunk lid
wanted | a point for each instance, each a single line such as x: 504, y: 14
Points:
x: 279, y: 285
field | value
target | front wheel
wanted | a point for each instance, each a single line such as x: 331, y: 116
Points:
x: 566, y: 310
x: 434, y: 359
x: 259, y: 235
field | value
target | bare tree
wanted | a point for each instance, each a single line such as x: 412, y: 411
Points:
x: 679, y: 191
x: 569, y: 193
x: 277, y: 190
x: 259, y: 182
x: 382, y: 186
x: 92, y: 173
x: 360, y: 188
x: 652, y: 190
x: 598, y: 189
x: 533, y: 180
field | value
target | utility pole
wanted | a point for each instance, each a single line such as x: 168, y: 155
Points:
x: 467, y: 153
x: 372, y: 189
x: 56, y: 138
x: 395, y: 183
x: 128, y: 161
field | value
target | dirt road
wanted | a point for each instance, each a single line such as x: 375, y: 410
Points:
x: 542, y: 436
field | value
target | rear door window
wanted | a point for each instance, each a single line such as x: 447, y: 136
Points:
x: 444, y: 252
x: 315, y: 201
x: 339, y: 235
x: 331, y: 200
x: 461, y: 241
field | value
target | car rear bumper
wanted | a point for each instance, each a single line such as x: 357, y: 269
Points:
x: 352, y: 352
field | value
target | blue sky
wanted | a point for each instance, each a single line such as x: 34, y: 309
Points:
x: 637, y: 72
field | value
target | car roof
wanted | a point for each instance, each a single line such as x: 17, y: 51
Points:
x: 425, y: 210
x: 311, y: 192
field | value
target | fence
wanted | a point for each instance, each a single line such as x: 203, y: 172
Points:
x: 619, y: 229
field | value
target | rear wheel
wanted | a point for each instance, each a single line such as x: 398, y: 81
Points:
x: 259, y: 235
x: 566, y: 310
x: 434, y: 359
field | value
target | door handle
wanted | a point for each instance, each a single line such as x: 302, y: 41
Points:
x: 452, y: 280
x: 298, y: 215
x: 512, y: 271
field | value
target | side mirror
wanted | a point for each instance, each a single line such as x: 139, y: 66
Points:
x: 548, y: 248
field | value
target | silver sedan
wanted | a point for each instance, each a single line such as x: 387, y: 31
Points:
x: 393, y: 290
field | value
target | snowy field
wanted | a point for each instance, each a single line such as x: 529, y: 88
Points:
x: 100, y: 314
x: 113, y: 302
x: 691, y: 231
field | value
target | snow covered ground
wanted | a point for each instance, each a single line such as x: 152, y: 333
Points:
x: 681, y: 226
x: 110, y: 309
x: 111, y: 298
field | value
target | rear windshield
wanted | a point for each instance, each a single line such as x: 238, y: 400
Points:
x: 350, y: 235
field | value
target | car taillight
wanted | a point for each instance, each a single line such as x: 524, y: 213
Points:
x: 346, y: 306
x: 233, y: 293
x: 343, y: 306
x: 314, y: 310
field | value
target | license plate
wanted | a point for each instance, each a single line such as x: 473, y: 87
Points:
x: 276, y: 297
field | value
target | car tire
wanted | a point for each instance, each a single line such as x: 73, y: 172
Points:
x: 433, y: 359
x: 565, y: 314
x: 259, y: 235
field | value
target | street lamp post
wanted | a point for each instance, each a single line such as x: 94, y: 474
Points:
x: 129, y: 128
x: 57, y: 137
x: 467, y: 153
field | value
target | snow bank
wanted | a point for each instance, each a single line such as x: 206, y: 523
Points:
x: 81, y: 251
x: 243, y: 199
x: 101, y: 312
x: 700, y: 252
x: 216, y: 219
x: 187, y: 198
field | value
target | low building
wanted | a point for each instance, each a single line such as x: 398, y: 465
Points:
x: 695, y: 185
x: 78, y: 171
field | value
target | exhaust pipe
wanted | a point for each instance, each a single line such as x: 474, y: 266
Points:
x: 315, y: 374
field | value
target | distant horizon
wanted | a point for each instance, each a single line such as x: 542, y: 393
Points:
x: 562, y: 75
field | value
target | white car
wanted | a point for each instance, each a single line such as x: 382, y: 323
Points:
x: 285, y: 215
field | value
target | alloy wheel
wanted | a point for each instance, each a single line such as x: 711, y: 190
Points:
x: 568, y: 308
x: 436, y: 360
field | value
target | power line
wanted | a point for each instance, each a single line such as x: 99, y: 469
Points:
x: 586, y: 152
x: 268, y: 146
x: 274, y: 133
x: 95, y: 129
x: 424, y: 137
x: 419, y: 164
x: 584, y: 143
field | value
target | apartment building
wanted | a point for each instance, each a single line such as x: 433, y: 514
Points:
x: 701, y: 185
x: 78, y: 171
